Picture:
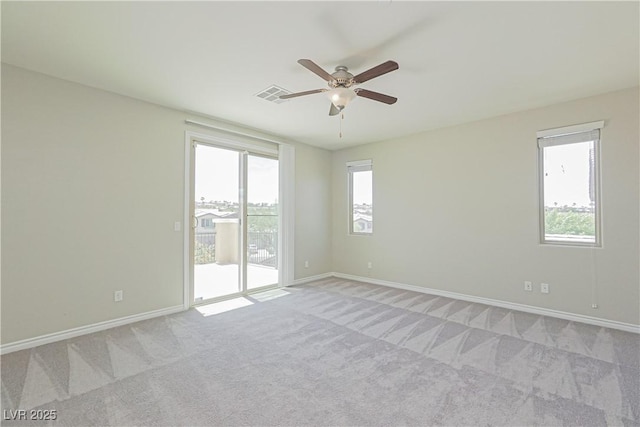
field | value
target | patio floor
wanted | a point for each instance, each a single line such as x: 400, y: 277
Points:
x: 216, y: 280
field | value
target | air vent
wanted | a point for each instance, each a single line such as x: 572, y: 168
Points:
x: 273, y: 93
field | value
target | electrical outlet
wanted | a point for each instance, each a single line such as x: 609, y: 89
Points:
x: 369, y: 265
x: 528, y: 286
x: 177, y: 226
x: 544, y: 288
x: 306, y: 264
x: 118, y: 296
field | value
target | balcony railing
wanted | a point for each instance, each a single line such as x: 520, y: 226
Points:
x: 262, y: 248
x: 205, y: 248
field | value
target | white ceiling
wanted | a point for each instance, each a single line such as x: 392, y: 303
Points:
x: 459, y: 61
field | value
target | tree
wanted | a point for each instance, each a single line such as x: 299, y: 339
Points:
x: 567, y: 221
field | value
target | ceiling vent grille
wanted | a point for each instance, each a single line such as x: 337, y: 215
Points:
x: 273, y: 94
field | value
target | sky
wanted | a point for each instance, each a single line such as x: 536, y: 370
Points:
x: 217, y: 176
x: 566, y: 170
x: 362, y: 188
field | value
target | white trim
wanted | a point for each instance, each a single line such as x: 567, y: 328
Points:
x: 88, y: 329
x: 613, y: 324
x: 304, y: 280
x: 286, y: 214
x: 234, y: 143
x: 561, y: 140
x: 352, y: 168
x: 243, y: 247
x: 354, y: 163
x: 187, y: 225
x: 101, y: 326
x: 571, y: 138
x: 285, y: 154
x: 236, y: 133
x: 584, y: 127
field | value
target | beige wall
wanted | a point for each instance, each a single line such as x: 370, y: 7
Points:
x: 92, y: 183
x: 313, y: 203
x: 457, y: 209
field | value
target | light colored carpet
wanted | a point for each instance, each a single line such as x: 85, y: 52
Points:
x: 336, y: 353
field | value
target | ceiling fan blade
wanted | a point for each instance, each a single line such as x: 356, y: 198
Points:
x: 376, y: 96
x: 374, y: 72
x: 315, y: 68
x: 334, y: 111
x: 308, y: 92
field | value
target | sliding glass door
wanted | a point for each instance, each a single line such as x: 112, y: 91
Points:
x: 216, y: 223
x: 262, y: 221
x: 234, y: 223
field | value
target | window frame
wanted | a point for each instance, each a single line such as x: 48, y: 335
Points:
x: 568, y: 132
x: 354, y: 167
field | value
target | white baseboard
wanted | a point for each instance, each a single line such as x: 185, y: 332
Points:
x: 83, y: 330
x: 628, y: 327
x: 96, y: 327
x: 312, y: 279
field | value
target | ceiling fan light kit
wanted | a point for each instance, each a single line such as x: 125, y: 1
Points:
x: 341, y: 96
x: 341, y: 81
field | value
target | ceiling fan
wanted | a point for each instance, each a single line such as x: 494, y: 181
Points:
x: 341, y: 81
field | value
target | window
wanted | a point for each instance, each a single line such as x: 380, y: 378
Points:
x: 569, y: 176
x: 360, y: 197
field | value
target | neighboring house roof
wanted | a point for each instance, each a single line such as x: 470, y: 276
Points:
x: 215, y: 213
x: 362, y: 217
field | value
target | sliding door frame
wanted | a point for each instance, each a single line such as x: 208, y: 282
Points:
x: 285, y: 154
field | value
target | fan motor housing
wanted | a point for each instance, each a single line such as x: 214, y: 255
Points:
x: 342, y: 77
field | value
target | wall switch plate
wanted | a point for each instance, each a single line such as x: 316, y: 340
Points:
x: 306, y: 264
x: 177, y: 226
x: 544, y: 288
x: 118, y: 296
x: 369, y: 265
x: 528, y: 286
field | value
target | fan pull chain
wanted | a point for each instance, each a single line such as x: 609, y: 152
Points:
x: 341, y: 119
